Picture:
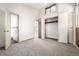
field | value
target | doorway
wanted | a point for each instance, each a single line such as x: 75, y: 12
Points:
x: 14, y: 28
x: 39, y: 28
x: 51, y: 28
x: 77, y: 26
x: 9, y: 28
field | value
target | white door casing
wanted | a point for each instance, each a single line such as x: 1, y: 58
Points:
x: 7, y: 29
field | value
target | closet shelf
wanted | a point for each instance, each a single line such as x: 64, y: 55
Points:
x: 51, y: 22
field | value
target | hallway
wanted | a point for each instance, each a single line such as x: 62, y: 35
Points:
x: 39, y: 47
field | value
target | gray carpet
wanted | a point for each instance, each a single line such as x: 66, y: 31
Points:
x: 39, y: 47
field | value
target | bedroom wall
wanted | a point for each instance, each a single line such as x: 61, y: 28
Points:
x: 27, y: 17
x: 65, y: 12
x: 2, y: 34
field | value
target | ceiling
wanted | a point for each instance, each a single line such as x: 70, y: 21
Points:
x: 36, y: 5
x: 33, y: 5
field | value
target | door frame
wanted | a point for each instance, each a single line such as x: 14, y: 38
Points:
x: 46, y: 30
x: 5, y: 30
x: 18, y: 24
x: 39, y: 28
x: 76, y: 24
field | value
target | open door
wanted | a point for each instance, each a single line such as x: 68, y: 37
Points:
x: 7, y: 29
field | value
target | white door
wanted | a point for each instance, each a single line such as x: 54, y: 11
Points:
x: 7, y: 29
x: 63, y: 27
x: 70, y: 27
x: 2, y: 27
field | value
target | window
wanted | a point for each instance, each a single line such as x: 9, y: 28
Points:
x: 50, y: 9
x: 53, y: 9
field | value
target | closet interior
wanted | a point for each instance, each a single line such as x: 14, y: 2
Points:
x: 51, y: 28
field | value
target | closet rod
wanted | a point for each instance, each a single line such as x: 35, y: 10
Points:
x: 51, y: 22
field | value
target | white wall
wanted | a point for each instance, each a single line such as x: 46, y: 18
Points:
x: 27, y: 17
x: 36, y: 29
x: 43, y: 28
x: 2, y: 34
x: 64, y: 7
x: 64, y: 11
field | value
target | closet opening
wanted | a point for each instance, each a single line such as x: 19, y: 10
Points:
x: 51, y: 28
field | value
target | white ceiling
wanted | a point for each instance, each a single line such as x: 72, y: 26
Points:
x: 36, y: 5
x: 33, y: 5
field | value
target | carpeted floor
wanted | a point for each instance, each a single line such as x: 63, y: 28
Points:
x: 39, y: 47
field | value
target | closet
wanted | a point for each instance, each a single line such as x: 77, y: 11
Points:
x: 51, y: 22
x: 57, y: 22
x: 51, y: 28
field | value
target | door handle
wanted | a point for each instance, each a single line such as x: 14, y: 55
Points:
x: 6, y: 30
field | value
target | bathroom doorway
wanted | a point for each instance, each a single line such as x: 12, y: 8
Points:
x: 14, y: 28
